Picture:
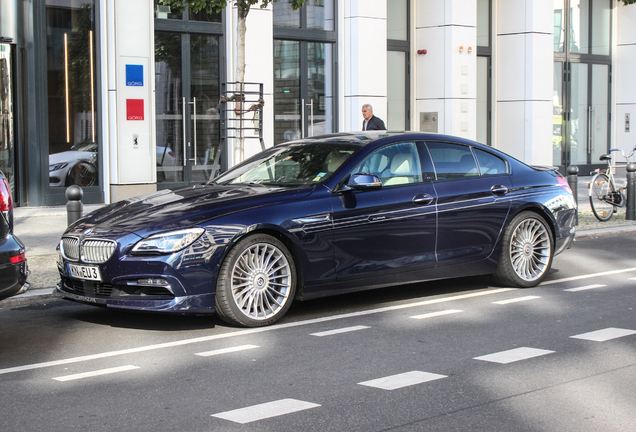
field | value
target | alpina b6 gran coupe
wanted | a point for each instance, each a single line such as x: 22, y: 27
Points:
x: 318, y: 217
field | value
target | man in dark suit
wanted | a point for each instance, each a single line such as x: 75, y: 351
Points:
x: 371, y: 122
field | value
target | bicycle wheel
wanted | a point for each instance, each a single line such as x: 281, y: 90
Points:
x: 601, y: 198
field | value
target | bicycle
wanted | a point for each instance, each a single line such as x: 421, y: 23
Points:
x: 605, y: 197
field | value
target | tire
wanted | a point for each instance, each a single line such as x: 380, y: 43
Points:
x: 527, y: 251
x: 600, y: 187
x: 256, y: 282
x: 83, y: 174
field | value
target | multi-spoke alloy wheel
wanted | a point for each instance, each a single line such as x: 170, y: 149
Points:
x: 256, y: 282
x: 527, y: 251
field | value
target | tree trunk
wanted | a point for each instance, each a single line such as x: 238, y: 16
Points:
x: 239, y: 148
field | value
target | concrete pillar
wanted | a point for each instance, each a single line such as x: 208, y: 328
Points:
x: 259, y: 68
x: 524, y: 64
x: 624, y: 85
x: 364, y: 57
x: 130, y: 58
x: 446, y: 76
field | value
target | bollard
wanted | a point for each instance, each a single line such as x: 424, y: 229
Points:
x: 630, y: 214
x: 573, y: 181
x: 74, y: 206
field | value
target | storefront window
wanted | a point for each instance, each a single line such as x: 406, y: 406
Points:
x: 72, y: 108
x: 316, y: 14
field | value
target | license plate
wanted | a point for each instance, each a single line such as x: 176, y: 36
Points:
x: 84, y: 272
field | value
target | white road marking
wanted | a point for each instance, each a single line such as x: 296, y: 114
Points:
x: 96, y: 373
x: 227, y: 350
x: 436, y: 314
x: 632, y: 278
x: 605, y: 334
x: 515, y: 300
x: 340, y: 330
x: 248, y: 331
x: 405, y: 379
x: 265, y: 410
x: 587, y: 276
x: 513, y: 355
x: 584, y: 288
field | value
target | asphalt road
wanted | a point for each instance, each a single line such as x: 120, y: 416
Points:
x: 441, y: 356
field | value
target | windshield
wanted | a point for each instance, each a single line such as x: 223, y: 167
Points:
x: 291, y: 165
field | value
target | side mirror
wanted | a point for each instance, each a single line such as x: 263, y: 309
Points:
x: 364, y: 181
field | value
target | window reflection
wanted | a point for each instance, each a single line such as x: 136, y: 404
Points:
x: 6, y: 114
x: 71, y: 93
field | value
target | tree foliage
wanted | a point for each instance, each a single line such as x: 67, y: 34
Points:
x: 628, y: 2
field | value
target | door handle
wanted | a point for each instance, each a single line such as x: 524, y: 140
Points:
x: 499, y: 190
x: 422, y: 199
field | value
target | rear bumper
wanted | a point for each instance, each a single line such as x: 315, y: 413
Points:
x: 13, y: 279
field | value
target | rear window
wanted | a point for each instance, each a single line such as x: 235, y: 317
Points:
x: 489, y: 164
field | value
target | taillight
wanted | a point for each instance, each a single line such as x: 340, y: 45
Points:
x: 6, y: 202
x: 564, y: 184
x: 17, y: 259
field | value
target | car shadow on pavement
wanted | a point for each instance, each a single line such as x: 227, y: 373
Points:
x: 382, y: 297
x: 140, y: 320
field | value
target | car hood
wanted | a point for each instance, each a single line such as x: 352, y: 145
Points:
x: 173, y: 209
x: 69, y: 156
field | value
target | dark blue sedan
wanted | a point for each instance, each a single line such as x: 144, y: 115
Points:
x: 318, y: 217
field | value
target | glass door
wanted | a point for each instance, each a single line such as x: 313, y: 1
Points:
x: 304, y: 103
x: 580, y: 118
x: 187, y: 92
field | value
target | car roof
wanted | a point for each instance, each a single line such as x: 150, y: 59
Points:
x: 363, y: 138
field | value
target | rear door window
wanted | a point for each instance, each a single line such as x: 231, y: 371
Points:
x: 452, y: 161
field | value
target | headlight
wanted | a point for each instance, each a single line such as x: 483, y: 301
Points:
x: 57, y: 166
x: 168, y: 242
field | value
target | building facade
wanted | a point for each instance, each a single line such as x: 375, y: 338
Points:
x: 125, y: 98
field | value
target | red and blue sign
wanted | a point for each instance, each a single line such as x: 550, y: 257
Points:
x: 135, y: 75
x: 134, y: 109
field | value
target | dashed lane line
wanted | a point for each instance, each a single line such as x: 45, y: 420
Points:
x: 514, y: 355
x: 265, y: 410
x: 405, y: 379
x: 605, y: 334
x: 96, y: 373
x: 585, y: 288
x: 249, y: 331
x: 340, y: 330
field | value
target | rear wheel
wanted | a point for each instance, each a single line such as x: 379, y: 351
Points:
x: 600, y: 192
x: 527, y: 251
x: 256, y: 282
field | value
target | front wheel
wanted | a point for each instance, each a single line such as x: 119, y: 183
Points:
x: 600, y: 192
x: 256, y: 282
x: 527, y: 251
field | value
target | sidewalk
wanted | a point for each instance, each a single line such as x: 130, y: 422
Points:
x: 40, y: 229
